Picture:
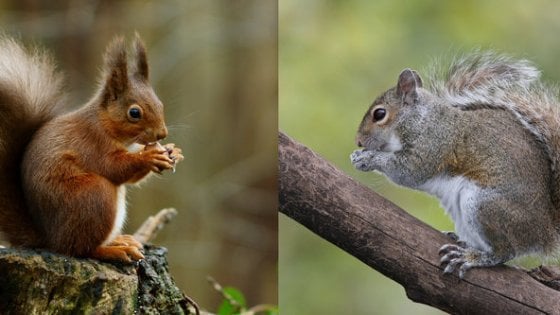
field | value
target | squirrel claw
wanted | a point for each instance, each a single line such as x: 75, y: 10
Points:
x: 454, y: 256
x: 463, y: 269
x: 447, y: 258
x: 447, y: 248
x: 464, y: 266
x: 175, y: 155
x: 453, y: 263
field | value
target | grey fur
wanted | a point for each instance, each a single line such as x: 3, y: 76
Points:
x: 482, y: 134
x: 497, y: 81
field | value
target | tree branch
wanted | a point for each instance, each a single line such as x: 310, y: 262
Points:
x: 385, y: 237
x: 153, y: 224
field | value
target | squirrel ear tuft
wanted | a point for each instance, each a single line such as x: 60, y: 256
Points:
x: 407, y: 86
x: 115, y: 71
x: 141, y: 67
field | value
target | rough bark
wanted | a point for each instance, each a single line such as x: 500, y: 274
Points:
x: 385, y: 237
x: 40, y: 282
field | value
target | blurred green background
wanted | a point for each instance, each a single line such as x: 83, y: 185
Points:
x: 214, y: 66
x: 335, y: 57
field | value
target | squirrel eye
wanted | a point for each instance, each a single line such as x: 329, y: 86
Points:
x: 134, y: 113
x: 379, y: 114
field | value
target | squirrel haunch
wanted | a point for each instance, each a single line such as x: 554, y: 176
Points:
x: 482, y: 135
x: 64, y: 187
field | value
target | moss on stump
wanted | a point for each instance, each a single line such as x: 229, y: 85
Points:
x: 40, y: 282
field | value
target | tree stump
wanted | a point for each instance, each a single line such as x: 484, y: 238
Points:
x: 41, y: 282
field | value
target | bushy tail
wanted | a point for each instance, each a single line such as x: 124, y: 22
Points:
x: 481, y: 79
x: 29, y: 95
x: 491, y: 80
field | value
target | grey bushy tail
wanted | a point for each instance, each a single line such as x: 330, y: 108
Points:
x: 30, y: 92
x: 496, y: 81
x: 481, y: 79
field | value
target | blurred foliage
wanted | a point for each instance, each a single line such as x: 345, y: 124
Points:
x: 214, y: 66
x: 335, y: 58
x: 234, y: 302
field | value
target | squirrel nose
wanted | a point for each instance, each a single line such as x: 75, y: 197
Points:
x: 162, y: 133
x: 358, y: 142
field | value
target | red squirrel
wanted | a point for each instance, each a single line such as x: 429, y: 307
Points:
x: 63, y: 187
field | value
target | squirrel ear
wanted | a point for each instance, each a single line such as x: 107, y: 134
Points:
x: 407, y: 86
x: 141, y: 68
x: 116, y: 73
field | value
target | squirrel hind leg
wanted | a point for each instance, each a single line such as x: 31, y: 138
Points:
x: 464, y: 258
x: 120, y: 253
x: 126, y: 240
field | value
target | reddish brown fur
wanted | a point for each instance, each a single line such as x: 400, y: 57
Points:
x: 23, y: 75
x: 75, y: 163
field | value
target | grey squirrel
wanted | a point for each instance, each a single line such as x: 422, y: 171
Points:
x: 64, y: 174
x: 483, y: 135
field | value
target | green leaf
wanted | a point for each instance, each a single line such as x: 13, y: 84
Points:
x: 227, y: 308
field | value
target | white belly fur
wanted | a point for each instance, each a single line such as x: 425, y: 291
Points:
x: 458, y: 196
x: 120, y: 216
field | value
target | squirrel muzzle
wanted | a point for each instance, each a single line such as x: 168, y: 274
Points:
x: 161, y: 133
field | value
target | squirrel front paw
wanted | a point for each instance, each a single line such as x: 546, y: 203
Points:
x: 162, y: 157
x: 174, y: 153
x: 157, y: 157
x: 362, y: 160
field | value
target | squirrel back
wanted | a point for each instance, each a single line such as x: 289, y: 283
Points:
x: 496, y: 81
x: 30, y: 94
